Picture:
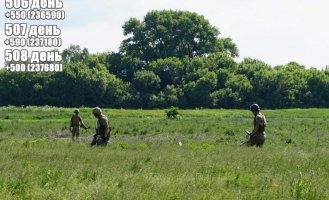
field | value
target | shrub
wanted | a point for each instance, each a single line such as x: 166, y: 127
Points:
x: 172, y: 112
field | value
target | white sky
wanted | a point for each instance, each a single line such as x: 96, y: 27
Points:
x: 274, y: 31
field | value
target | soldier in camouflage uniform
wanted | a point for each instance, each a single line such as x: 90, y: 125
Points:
x: 258, y: 135
x: 103, y: 129
x: 76, y: 123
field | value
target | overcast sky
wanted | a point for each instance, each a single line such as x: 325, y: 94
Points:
x: 274, y: 31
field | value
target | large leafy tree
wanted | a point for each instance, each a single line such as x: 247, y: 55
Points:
x: 169, y: 33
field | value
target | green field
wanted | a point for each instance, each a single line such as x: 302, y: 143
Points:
x: 144, y: 160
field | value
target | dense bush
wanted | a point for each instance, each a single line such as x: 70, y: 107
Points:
x: 172, y: 113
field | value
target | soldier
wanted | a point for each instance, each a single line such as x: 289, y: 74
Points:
x: 76, y: 123
x: 257, y: 136
x: 103, y: 129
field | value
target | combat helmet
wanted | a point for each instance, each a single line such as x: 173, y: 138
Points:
x: 254, y: 107
x: 97, y: 110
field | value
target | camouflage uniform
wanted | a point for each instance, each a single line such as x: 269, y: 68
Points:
x: 99, y: 138
x: 258, y: 138
x: 76, y: 123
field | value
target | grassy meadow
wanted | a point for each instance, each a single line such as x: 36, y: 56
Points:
x: 145, y: 161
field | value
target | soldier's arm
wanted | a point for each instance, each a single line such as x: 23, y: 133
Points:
x: 106, y: 130
x: 106, y: 127
x: 81, y: 123
x: 255, y: 129
x: 265, y: 122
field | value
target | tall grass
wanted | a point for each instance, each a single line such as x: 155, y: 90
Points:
x: 145, y: 161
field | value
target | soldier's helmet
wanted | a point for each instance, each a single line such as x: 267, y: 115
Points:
x: 76, y: 111
x: 254, y: 107
x: 97, y: 110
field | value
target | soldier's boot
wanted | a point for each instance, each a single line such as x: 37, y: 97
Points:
x: 260, y: 143
x: 101, y: 141
x: 94, y: 141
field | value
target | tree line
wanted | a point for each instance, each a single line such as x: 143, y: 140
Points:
x: 170, y: 58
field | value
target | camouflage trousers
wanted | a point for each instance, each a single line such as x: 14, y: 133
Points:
x: 75, y: 131
x: 99, y: 140
x: 257, y: 139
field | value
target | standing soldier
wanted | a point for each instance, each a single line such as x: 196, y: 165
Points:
x: 103, y: 129
x: 257, y: 136
x: 76, y: 123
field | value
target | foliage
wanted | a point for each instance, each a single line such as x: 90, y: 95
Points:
x: 146, y: 81
x: 169, y: 33
x: 172, y: 112
x: 170, y: 58
x: 75, y: 54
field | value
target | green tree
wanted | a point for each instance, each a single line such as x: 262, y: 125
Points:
x: 241, y: 85
x: 262, y: 79
x: 290, y: 85
x: 225, y: 98
x: 124, y: 66
x: 170, y: 71
x: 95, y: 60
x: 221, y: 60
x: 146, y: 81
x: 235, y: 92
x: 318, y: 83
x: 75, y: 54
x: 198, y: 92
x: 169, y: 33
x: 80, y: 85
x: 22, y: 88
x: 250, y: 67
x: 170, y: 96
